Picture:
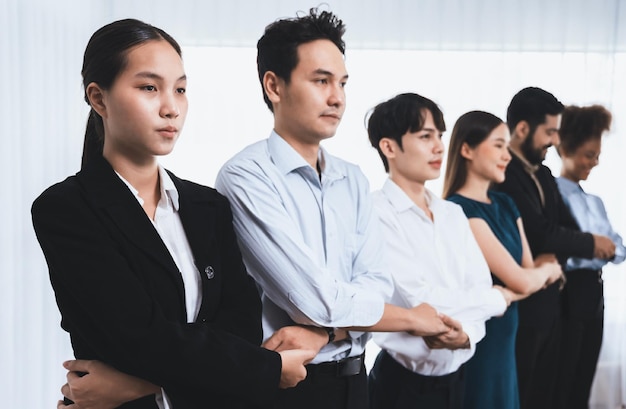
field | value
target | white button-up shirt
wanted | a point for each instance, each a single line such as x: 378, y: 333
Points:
x: 436, y: 262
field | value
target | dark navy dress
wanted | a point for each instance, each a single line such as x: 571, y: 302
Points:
x: 491, y: 374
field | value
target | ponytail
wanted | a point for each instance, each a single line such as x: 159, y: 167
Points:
x: 94, y: 138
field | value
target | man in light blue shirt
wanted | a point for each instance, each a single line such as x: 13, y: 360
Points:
x: 309, y: 240
x: 305, y: 222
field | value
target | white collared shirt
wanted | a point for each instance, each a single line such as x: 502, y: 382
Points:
x: 312, y: 244
x: 436, y: 262
x: 170, y: 228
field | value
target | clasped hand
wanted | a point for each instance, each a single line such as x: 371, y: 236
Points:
x: 453, y: 338
x: 96, y: 385
x: 297, y: 346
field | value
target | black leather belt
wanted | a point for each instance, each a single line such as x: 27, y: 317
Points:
x: 345, y: 367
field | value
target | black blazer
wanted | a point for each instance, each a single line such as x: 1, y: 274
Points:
x: 549, y: 229
x: 121, y: 295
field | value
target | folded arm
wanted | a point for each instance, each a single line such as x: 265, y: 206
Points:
x: 286, y: 268
x: 95, y: 385
x: 107, y: 309
x: 522, y: 279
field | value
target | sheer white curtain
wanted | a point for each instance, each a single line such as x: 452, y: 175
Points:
x: 464, y: 54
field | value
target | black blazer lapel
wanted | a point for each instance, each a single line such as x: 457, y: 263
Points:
x: 119, y: 207
x: 198, y: 215
x: 199, y: 223
x: 515, y: 171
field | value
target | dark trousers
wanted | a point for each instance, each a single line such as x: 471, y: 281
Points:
x: 323, y: 388
x: 579, y: 357
x: 392, y: 386
x: 581, y: 333
x: 537, y: 356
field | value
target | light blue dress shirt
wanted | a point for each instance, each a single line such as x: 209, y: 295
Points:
x: 312, y: 244
x: 589, y: 212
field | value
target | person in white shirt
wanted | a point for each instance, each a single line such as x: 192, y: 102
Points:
x: 433, y: 257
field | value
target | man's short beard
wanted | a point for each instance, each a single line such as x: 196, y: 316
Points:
x: 532, y: 155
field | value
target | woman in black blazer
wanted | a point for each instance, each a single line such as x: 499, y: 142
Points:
x: 133, y: 293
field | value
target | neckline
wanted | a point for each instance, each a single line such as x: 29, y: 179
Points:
x: 478, y: 201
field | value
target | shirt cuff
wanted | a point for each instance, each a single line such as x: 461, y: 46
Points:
x: 366, y: 310
x: 496, y: 302
x: 475, y: 335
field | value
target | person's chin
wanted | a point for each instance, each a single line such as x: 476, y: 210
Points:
x: 327, y: 133
x: 433, y: 175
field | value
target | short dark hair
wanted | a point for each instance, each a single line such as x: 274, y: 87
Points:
x: 532, y: 104
x: 581, y: 124
x: 277, y: 49
x: 399, y: 115
x: 104, y: 59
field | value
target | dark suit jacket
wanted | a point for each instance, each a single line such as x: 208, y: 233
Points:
x: 121, y: 295
x: 549, y: 229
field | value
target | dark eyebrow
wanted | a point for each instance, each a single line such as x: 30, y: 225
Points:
x: 152, y: 75
x: 321, y: 71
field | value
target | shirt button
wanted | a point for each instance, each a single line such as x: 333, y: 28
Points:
x: 210, y: 273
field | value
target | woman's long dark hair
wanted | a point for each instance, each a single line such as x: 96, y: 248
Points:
x: 104, y: 59
x: 471, y: 128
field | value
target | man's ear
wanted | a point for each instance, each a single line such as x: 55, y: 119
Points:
x: 521, y: 131
x: 272, y: 86
x: 388, y: 147
x: 96, y: 98
x: 466, y: 151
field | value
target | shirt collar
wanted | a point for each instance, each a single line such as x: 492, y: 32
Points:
x: 528, y: 167
x: 168, y: 189
x: 287, y: 159
x: 401, y: 201
x: 568, y: 186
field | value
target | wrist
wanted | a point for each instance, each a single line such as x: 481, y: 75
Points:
x: 330, y: 331
x: 324, y: 334
x: 466, y: 344
x: 140, y: 389
x: 412, y: 322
